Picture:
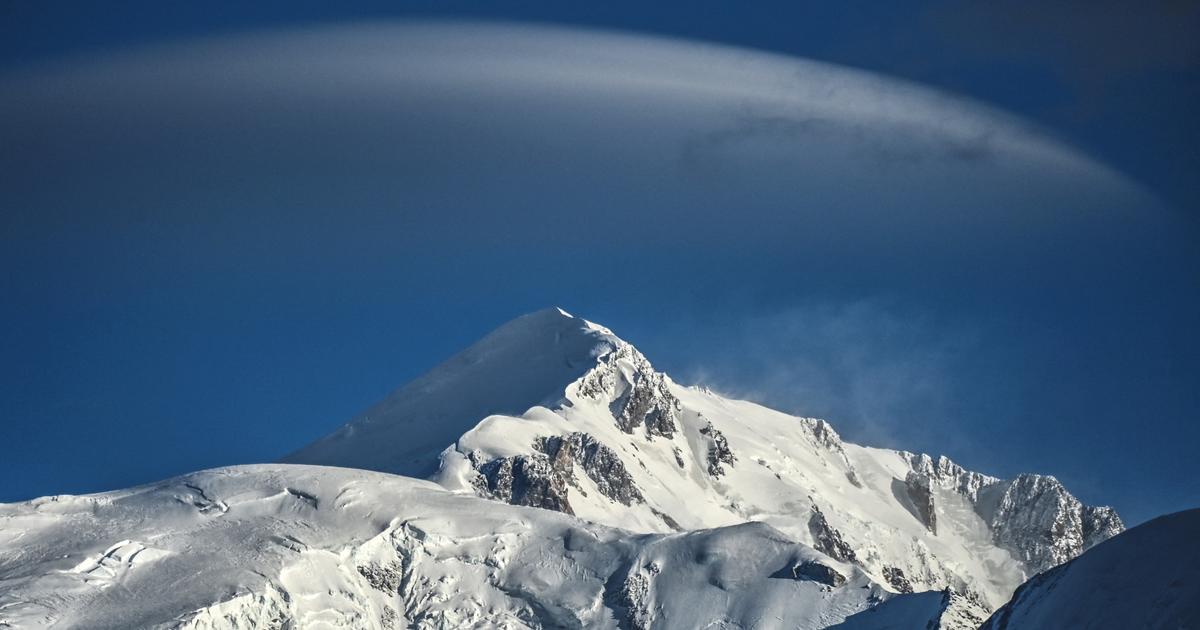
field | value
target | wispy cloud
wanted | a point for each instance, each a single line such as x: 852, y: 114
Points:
x: 882, y: 374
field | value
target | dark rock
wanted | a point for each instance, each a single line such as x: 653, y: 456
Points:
x: 920, y: 492
x: 947, y: 474
x: 897, y: 580
x: 718, y: 450
x: 1043, y: 525
x: 813, y: 572
x: 828, y: 540
x: 527, y: 480
x: 666, y: 518
x: 1032, y: 516
x: 633, y: 598
x: 540, y: 479
x: 641, y: 399
x: 601, y: 464
x: 825, y: 437
x: 383, y: 578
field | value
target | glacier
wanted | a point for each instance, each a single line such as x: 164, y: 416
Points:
x: 549, y: 476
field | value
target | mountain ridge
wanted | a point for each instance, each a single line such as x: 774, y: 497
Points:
x: 566, y: 483
x: 615, y: 441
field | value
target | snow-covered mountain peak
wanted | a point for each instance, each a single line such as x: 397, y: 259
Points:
x: 555, y: 412
x: 527, y: 362
x: 661, y: 506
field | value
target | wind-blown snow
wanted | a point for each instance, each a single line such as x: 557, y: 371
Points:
x: 519, y: 365
x: 560, y: 375
x: 665, y: 507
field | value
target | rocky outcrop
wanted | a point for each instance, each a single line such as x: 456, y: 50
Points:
x: 384, y: 578
x: 947, y: 474
x: 634, y: 598
x: 525, y: 480
x: 961, y: 611
x: 600, y: 463
x: 825, y: 437
x: 813, y: 572
x: 920, y: 492
x: 1043, y: 525
x: 638, y: 395
x: 718, y: 454
x: 1099, y: 524
x: 1032, y: 516
x: 828, y: 540
x: 895, y: 578
x: 541, y: 479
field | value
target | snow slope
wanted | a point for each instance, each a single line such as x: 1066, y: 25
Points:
x: 554, y: 411
x: 283, y: 546
x: 1143, y: 578
x: 524, y: 363
x: 663, y: 506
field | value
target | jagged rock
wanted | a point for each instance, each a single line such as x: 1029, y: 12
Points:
x: 678, y: 456
x: 828, y: 540
x: 383, y: 578
x: 947, y: 474
x: 718, y: 450
x: 1044, y: 525
x: 962, y: 610
x: 825, y: 437
x: 541, y: 478
x: 601, y: 464
x: 1099, y: 524
x: 920, y: 493
x: 640, y: 398
x: 897, y: 580
x: 815, y: 572
x: 634, y: 598
x: 1032, y: 516
x: 527, y: 480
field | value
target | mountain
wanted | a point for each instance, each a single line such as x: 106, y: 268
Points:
x: 524, y: 363
x: 1143, y: 578
x: 556, y: 412
x: 547, y: 477
x: 281, y: 546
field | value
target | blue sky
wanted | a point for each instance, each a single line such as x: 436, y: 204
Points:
x: 188, y: 288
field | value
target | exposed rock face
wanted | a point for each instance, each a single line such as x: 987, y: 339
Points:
x: 541, y: 478
x: 897, y: 580
x: 828, y: 540
x: 921, y: 494
x: 1099, y: 524
x: 718, y: 450
x: 1044, y: 525
x: 947, y: 474
x: 1032, y: 516
x: 961, y: 611
x: 825, y: 437
x: 817, y: 572
x: 599, y: 462
x: 634, y: 597
x: 384, y: 578
x: 526, y: 480
x: 638, y: 395
x: 1143, y: 578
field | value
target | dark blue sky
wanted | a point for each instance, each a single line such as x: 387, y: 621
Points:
x: 209, y: 294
